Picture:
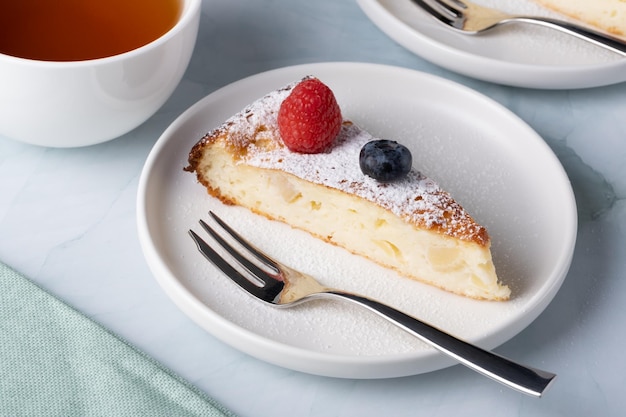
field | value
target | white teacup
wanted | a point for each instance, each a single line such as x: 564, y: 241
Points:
x: 80, y: 103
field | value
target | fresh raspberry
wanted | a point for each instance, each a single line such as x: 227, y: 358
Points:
x: 309, y: 119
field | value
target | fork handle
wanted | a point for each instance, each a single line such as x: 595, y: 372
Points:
x: 595, y: 37
x: 522, y: 378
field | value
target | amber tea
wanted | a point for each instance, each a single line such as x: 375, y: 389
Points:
x: 75, y: 30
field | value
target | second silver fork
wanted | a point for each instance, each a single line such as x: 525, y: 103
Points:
x: 471, y: 18
x: 281, y: 286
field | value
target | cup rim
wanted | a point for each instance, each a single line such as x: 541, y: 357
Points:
x: 189, y: 10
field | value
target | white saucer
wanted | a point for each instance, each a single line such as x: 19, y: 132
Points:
x: 493, y: 163
x: 516, y: 55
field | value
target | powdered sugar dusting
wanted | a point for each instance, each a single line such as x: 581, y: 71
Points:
x: 416, y: 199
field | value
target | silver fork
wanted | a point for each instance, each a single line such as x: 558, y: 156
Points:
x: 471, y: 18
x: 281, y: 286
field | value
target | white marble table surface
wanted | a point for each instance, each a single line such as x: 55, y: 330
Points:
x: 67, y: 220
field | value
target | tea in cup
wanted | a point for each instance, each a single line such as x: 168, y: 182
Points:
x: 77, y: 73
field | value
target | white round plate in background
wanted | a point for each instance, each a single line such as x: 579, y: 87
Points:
x: 518, y: 55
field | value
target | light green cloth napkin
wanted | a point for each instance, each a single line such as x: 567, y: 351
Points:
x: 56, y: 362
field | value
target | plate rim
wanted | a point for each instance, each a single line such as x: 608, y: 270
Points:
x: 503, y: 72
x: 386, y: 365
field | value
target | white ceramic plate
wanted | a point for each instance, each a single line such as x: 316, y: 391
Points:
x: 516, y: 55
x: 494, y: 164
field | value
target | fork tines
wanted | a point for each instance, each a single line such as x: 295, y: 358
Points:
x: 449, y: 12
x: 254, y: 278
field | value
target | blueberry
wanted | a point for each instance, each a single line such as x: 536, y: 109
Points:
x: 385, y: 160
